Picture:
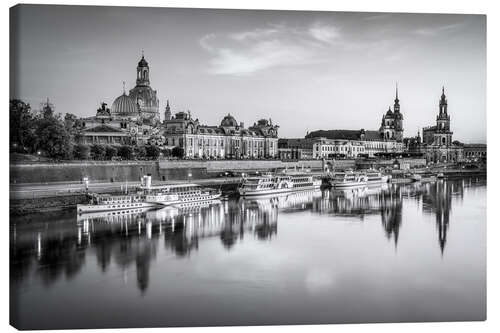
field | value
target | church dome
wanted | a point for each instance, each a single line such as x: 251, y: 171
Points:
x: 389, y: 112
x: 124, y: 106
x: 229, y: 121
x: 143, y: 62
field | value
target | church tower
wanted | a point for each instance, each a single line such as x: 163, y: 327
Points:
x: 398, y: 119
x: 142, y: 72
x: 443, y: 134
x: 168, y: 113
x: 143, y: 95
x: 443, y: 119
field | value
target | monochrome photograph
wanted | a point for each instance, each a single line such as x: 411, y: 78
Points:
x: 183, y: 167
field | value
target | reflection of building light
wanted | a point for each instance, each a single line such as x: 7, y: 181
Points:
x: 39, y: 246
x: 79, y: 235
x: 149, y: 225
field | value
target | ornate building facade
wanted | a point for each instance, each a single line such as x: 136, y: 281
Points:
x: 436, y: 143
x: 228, y: 140
x: 144, y: 96
x: 391, y: 127
x: 132, y: 119
x: 351, y: 143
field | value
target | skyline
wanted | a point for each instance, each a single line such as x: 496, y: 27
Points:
x: 338, y: 66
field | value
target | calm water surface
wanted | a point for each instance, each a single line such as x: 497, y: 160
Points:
x: 412, y: 252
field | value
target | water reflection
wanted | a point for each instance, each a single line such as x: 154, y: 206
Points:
x: 56, y: 246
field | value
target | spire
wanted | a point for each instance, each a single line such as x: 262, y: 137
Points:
x: 168, y: 105
x: 123, y: 82
x: 397, y: 91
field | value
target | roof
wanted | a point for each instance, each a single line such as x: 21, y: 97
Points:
x: 103, y: 128
x: 344, y: 134
x: 124, y: 106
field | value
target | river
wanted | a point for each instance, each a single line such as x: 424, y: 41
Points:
x: 396, y: 253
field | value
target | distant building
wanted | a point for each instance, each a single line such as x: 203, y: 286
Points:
x: 474, y: 151
x: 118, y: 126
x: 437, y: 141
x: 132, y: 119
x: 348, y: 142
x: 228, y: 140
x: 295, y: 149
x: 391, y: 127
x: 351, y: 143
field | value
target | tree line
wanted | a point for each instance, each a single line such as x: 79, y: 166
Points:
x: 48, y: 134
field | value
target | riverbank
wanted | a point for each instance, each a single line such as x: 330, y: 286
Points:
x: 31, y: 198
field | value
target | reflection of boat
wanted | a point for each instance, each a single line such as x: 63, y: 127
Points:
x: 112, y: 213
x: 348, y: 179
x: 415, y: 177
x: 108, y: 202
x: 278, y: 183
x: 282, y: 200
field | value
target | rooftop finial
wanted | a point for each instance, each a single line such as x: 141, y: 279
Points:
x: 142, y: 52
x: 396, y: 90
x: 123, y: 82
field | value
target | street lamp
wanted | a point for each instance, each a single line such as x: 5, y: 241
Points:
x: 189, y: 177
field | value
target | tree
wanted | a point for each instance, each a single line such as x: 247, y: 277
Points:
x: 98, y: 151
x: 125, y: 152
x: 178, y: 152
x: 111, y: 152
x: 152, y: 152
x: 22, y: 126
x: 52, y: 137
x: 81, y: 151
x: 139, y: 152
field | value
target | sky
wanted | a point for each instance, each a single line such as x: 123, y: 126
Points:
x: 304, y: 70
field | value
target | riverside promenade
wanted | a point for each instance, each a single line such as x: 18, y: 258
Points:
x: 58, y: 189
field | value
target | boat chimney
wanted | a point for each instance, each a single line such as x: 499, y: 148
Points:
x: 147, y: 181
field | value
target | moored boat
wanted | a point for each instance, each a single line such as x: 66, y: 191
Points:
x: 148, y: 196
x: 275, y: 183
x: 375, y: 177
x: 348, y: 179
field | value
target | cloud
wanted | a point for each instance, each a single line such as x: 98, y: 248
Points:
x: 324, y: 33
x: 436, y: 30
x: 278, y: 45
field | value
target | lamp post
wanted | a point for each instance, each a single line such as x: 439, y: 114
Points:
x: 189, y: 177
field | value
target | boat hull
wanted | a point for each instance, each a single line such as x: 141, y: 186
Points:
x: 348, y: 184
x: 244, y: 193
x: 207, y: 197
